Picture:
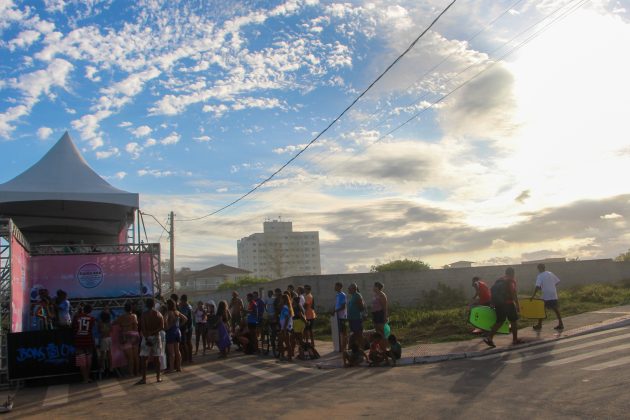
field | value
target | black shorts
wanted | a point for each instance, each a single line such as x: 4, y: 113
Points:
x: 507, y: 310
x: 200, y: 328
x: 551, y: 304
x: 378, y: 317
x: 187, y: 335
x: 309, y: 324
x: 342, y: 325
x: 356, y: 326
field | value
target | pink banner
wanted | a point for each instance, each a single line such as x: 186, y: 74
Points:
x: 20, y: 286
x: 92, y: 276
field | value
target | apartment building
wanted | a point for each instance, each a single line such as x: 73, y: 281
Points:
x: 280, y: 252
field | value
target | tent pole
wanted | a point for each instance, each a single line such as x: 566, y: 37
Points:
x: 172, y: 237
x: 140, y: 254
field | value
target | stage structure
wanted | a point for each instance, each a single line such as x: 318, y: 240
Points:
x: 62, y: 226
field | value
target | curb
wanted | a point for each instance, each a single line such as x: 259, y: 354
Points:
x: 607, y: 325
x: 422, y: 360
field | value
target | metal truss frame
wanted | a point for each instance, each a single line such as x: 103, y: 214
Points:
x: 8, y: 230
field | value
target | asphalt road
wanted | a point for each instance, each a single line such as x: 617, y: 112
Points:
x: 580, y: 377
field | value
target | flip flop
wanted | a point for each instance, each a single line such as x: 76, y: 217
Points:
x: 159, y: 380
x: 141, y: 382
x: 489, y: 342
x: 537, y: 328
x: 517, y: 342
x: 559, y: 328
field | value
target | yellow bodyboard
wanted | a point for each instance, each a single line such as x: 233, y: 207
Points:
x: 532, y: 308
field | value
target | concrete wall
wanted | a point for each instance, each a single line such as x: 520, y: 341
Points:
x: 405, y: 287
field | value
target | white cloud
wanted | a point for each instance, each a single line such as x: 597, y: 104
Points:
x: 115, y: 97
x: 24, y: 39
x: 33, y: 85
x: 90, y: 72
x: 155, y: 173
x: 203, y: 139
x: 142, y: 131
x: 172, y: 138
x: 125, y: 124
x: 133, y: 149
x: 89, y: 125
x: 133, y: 84
x: 222, y: 190
x: 9, y: 116
x: 41, y: 81
x: 611, y: 216
x: 9, y: 13
x: 217, y: 110
x: 150, y: 142
x: 44, y: 132
x: 107, y: 154
x: 261, y: 103
x: 120, y: 175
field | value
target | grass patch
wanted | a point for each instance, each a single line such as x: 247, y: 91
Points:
x: 441, y: 314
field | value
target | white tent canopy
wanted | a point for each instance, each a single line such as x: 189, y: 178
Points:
x: 61, y: 199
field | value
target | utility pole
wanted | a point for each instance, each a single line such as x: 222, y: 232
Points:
x: 172, y: 236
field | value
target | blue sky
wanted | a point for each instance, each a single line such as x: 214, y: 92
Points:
x: 191, y: 104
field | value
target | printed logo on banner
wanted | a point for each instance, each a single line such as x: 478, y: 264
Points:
x: 90, y: 275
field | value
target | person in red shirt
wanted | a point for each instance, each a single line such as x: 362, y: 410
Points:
x: 482, y: 297
x: 482, y: 292
x: 83, y: 326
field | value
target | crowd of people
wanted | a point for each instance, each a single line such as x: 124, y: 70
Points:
x: 49, y: 313
x: 350, y: 312
x: 161, y: 331
x: 167, y: 333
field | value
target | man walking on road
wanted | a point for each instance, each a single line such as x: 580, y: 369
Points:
x: 505, y: 305
x: 546, y: 282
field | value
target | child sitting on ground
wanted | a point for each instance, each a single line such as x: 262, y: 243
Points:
x: 355, y: 356
x: 378, y: 350
x: 395, y: 349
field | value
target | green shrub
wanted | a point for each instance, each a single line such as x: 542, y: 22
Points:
x: 443, y: 297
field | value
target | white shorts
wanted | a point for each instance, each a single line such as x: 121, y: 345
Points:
x: 151, y: 346
x: 106, y: 344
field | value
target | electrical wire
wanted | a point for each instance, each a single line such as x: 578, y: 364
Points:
x: 321, y: 133
x: 571, y: 8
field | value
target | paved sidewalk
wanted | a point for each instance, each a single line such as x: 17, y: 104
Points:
x: 430, y: 353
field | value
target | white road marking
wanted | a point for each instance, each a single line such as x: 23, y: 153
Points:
x: 567, y: 349
x: 254, y: 371
x: 56, y: 394
x: 167, y: 384
x: 292, y: 366
x: 550, y: 344
x: 110, y: 389
x: 613, y: 363
x: 211, y: 377
x: 587, y: 355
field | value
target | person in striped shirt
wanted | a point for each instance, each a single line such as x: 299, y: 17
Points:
x: 83, y: 325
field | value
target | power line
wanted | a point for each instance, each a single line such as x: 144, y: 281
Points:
x: 571, y: 7
x: 433, y: 68
x: 321, y: 133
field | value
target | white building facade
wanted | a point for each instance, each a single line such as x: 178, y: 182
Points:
x: 280, y: 252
